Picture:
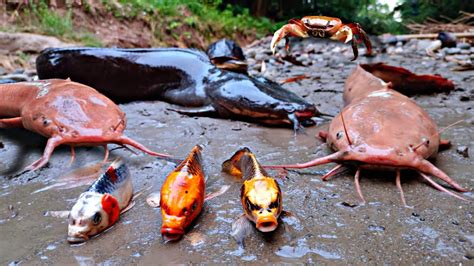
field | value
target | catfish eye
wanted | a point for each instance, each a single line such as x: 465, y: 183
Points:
x: 97, y: 218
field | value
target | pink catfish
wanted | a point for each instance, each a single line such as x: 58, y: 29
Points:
x: 379, y: 128
x: 67, y: 113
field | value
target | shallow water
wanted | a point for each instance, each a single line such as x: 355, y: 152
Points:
x: 328, y: 224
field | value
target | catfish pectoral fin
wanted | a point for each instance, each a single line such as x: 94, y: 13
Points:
x: 241, y: 228
x: 207, y: 110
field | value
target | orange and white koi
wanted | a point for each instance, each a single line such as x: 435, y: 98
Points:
x: 260, y: 195
x: 182, y: 196
x: 99, y: 207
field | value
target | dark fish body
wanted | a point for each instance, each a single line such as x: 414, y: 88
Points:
x: 180, y: 76
x: 124, y: 75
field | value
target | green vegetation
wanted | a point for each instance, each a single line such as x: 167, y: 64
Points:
x: 39, y: 18
x: 211, y: 18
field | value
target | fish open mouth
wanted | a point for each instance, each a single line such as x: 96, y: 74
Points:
x: 267, y: 224
x: 76, y: 239
x: 171, y: 234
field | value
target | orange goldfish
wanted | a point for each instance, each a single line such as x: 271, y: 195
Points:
x: 260, y: 194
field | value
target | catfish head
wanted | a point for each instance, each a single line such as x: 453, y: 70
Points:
x: 237, y: 95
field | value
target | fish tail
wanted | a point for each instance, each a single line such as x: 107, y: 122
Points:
x: 233, y: 166
x: 193, y: 162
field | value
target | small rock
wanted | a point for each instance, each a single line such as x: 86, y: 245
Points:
x: 463, y: 45
x: 463, y: 150
x: 453, y: 50
x: 462, y: 57
x: 376, y: 228
x: 27, y: 42
x: 464, y: 98
x: 347, y: 204
x: 469, y: 255
x: 15, y: 77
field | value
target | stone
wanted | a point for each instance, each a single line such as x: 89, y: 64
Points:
x: 28, y: 42
x: 463, y: 45
x: 463, y: 150
x: 453, y: 50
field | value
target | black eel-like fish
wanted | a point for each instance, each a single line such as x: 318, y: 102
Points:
x: 184, y: 77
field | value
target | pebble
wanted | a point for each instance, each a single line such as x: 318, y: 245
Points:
x: 463, y: 150
x: 453, y: 50
x: 463, y: 45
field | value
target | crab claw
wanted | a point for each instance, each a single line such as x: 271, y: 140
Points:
x: 294, y: 28
x: 358, y: 36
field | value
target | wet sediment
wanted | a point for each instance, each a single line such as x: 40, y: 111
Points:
x: 329, y: 224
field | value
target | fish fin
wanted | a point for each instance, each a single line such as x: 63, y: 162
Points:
x: 11, y: 122
x: 129, y: 207
x: 117, y: 171
x: 444, y: 144
x: 241, y: 228
x: 153, y: 200
x: 285, y: 214
x: 79, y: 177
x: 230, y: 166
x: 207, y: 110
x: 111, y: 206
x: 57, y: 214
x: 214, y: 194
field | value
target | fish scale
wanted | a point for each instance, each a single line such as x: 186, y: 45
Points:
x: 111, y: 179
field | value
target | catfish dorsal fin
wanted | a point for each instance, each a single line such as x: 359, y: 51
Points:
x: 345, y: 129
x: 437, y: 133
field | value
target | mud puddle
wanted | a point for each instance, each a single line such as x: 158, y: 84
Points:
x: 329, y: 226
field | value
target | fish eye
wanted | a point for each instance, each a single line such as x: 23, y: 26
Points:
x: 339, y: 135
x: 97, y: 218
x: 250, y: 205
x: 184, y: 211
x: 194, y: 206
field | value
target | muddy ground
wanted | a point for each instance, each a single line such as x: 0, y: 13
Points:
x: 329, y: 224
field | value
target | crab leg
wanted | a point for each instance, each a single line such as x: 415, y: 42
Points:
x: 290, y: 29
x: 357, y: 185
x: 52, y: 143
x: 399, y: 186
x: 440, y: 188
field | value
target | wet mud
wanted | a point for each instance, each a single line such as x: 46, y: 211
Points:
x: 328, y: 224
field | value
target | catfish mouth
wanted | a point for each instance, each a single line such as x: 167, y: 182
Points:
x: 230, y: 64
x: 171, y: 234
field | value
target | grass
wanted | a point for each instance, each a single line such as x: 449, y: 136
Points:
x: 169, y: 20
x: 39, y: 18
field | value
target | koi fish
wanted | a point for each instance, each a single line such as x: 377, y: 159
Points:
x: 260, y: 195
x: 99, y: 207
x: 182, y: 196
